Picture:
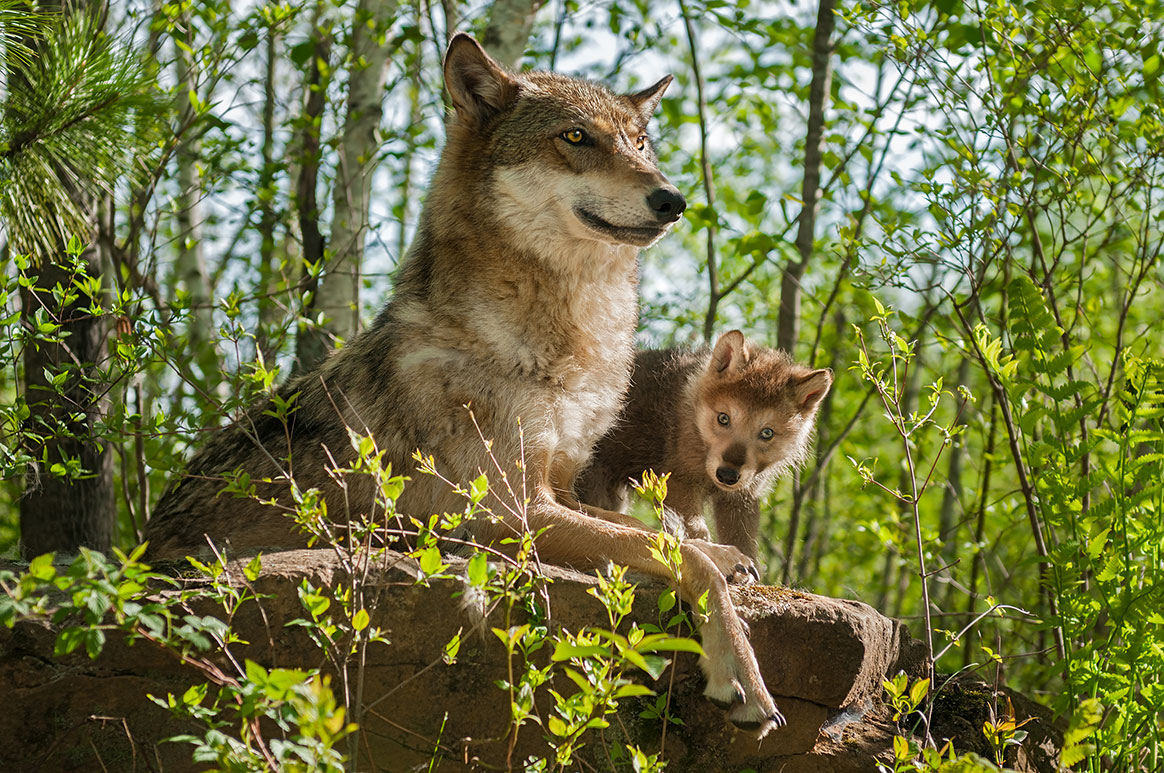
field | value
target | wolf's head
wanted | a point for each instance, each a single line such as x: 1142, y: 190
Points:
x: 755, y: 409
x: 553, y: 159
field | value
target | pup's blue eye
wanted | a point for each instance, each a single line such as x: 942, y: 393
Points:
x: 723, y: 419
x: 767, y: 433
x: 575, y: 136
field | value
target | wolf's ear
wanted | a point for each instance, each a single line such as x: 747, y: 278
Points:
x: 811, y: 389
x: 479, y: 87
x: 647, y: 100
x: 730, y: 353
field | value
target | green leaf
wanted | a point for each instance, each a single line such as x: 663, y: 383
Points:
x: 94, y: 642
x: 633, y: 690
x: 477, y: 570
x: 901, y: 749
x: 557, y: 727
x: 1096, y: 544
x: 1111, y: 569
x: 667, y: 600
x: 565, y: 650
x: 302, y: 52
x: 361, y: 619
x: 195, y: 694
x: 430, y: 560
x: 671, y: 644
x: 452, y: 647
x: 42, y: 567
x: 68, y: 640
x: 478, y: 489
x: 918, y: 691
x: 255, y: 672
x: 253, y: 568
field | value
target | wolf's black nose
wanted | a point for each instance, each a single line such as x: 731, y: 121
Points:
x: 667, y: 204
x: 727, y: 475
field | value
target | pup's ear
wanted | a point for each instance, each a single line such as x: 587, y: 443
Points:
x: 647, y: 100
x: 730, y: 353
x: 479, y: 87
x: 811, y: 389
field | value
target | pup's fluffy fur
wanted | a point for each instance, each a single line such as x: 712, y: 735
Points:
x: 725, y: 422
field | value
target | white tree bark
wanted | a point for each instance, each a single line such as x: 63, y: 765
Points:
x: 338, y: 294
x: 510, y: 23
x: 190, y: 264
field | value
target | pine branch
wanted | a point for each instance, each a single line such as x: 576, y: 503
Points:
x: 76, y: 119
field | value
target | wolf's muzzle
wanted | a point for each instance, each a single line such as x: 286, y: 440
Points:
x: 667, y: 203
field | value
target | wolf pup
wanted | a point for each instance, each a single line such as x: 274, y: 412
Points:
x: 725, y: 422
x: 518, y: 297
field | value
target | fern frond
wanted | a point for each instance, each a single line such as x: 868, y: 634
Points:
x: 1033, y: 327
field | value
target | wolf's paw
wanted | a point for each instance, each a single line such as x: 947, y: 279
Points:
x: 736, y: 567
x: 756, y: 718
x: 756, y: 713
x: 724, y: 693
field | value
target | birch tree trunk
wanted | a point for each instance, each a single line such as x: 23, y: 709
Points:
x: 510, y: 23
x: 788, y: 327
x: 337, y: 296
x: 408, y: 159
x: 190, y: 264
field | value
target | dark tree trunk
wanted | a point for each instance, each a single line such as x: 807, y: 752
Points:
x: 63, y: 513
x: 306, y: 199
x: 788, y: 328
x: 60, y: 513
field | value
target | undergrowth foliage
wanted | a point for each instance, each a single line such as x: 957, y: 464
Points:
x: 1099, y: 493
x: 260, y: 719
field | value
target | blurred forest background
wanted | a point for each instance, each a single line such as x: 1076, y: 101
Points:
x: 955, y: 205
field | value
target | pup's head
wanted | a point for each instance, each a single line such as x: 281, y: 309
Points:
x: 559, y: 159
x: 755, y: 410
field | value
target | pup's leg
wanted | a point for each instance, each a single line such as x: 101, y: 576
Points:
x: 737, y: 521
x: 684, y: 511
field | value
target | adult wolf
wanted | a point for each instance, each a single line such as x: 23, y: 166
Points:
x: 518, y: 296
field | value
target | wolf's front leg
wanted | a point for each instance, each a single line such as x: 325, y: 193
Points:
x: 683, y: 511
x: 622, y: 519
x: 585, y: 542
x: 729, y: 663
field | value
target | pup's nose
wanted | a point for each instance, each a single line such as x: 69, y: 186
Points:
x: 667, y: 203
x: 727, y: 475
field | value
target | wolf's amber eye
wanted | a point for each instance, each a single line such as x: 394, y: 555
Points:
x: 574, y: 136
x: 641, y: 142
x: 723, y: 419
x: 767, y: 433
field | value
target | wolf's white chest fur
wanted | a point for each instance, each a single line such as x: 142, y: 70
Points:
x: 560, y: 370
x: 582, y: 365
